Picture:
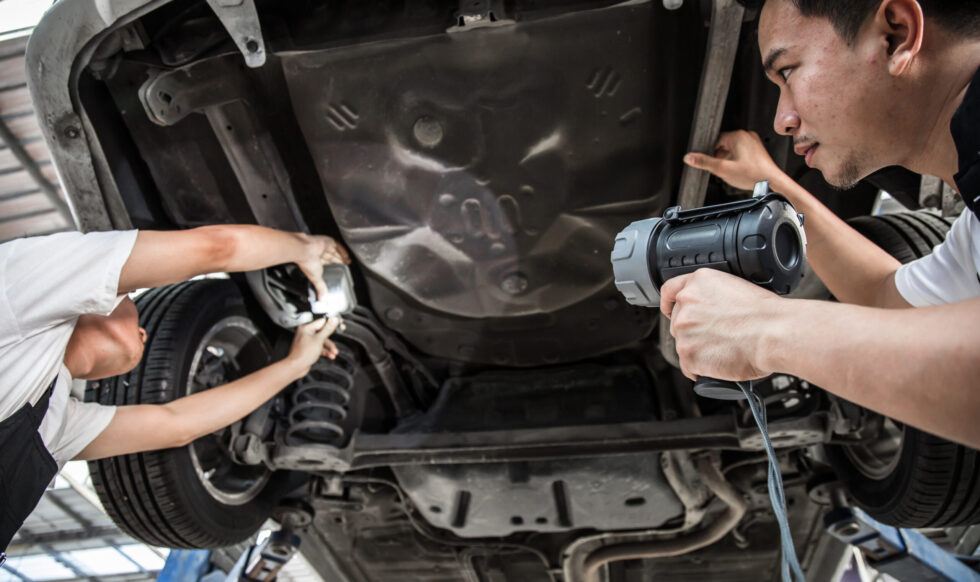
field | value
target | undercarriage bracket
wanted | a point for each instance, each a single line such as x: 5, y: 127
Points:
x: 903, y: 554
x: 242, y: 22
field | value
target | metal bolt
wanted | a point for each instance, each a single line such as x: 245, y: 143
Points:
x: 251, y: 45
x: 673, y: 4
x: 847, y: 529
x: 71, y: 132
x: 781, y: 382
x: 514, y: 284
x: 428, y: 131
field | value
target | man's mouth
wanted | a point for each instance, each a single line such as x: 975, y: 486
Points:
x: 806, y: 150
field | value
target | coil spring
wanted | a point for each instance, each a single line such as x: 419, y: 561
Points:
x: 321, y: 400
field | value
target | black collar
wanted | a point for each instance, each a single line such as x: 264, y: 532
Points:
x: 965, y: 127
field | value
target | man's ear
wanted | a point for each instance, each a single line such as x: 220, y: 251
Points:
x: 900, y: 24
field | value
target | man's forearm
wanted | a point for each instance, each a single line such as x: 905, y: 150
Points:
x: 918, y: 366
x: 205, y: 412
x: 853, y: 268
x: 148, y: 427
x: 257, y: 247
x: 164, y: 257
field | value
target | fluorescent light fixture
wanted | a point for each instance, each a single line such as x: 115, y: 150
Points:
x: 102, y: 562
x: 39, y: 568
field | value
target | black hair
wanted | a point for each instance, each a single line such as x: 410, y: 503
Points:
x: 961, y: 17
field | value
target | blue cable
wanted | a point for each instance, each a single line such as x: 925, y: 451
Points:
x: 789, y: 563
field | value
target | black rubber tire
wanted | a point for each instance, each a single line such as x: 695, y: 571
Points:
x: 156, y: 497
x: 936, y: 483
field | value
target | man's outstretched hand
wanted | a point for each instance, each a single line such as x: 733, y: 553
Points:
x: 319, y: 251
x: 165, y: 257
x: 719, y: 321
x: 310, y: 343
x: 740, y: 159
x: 148, y: 427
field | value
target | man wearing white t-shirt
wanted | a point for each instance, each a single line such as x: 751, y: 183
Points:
x: 64, y: 315
x: 864, y: 85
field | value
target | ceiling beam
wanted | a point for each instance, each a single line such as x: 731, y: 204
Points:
x: 8, y: 138
x: 24, y: 541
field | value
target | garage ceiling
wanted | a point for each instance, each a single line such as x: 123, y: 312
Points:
x: 31, y: 199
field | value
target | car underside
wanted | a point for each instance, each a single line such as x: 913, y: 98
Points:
x: 497, y: 411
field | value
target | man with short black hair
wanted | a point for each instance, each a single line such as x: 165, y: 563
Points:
x: 65, y: 315
x: 863, y: 85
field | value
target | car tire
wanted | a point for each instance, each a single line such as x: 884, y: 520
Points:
x: 909, y: 478
x: 192, y: 496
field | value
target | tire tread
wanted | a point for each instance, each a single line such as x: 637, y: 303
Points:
x: 137, y: 490
x: 939, y: 485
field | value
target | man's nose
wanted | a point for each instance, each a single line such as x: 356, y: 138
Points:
x: 787, y: 120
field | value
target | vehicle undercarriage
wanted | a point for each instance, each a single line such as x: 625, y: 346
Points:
x: 498, y: 411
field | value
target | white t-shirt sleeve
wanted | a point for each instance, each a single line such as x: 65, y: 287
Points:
x: 61, y: 276
x: 83, y: 421
x: 950, y: 273
x: 45, y: 284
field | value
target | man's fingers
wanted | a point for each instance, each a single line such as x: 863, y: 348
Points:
x: 329, y: 327
x: 668, y: 293
x: 726, y: 141
x: 701, y: 161
x: 332, y: 256
x: 342, y: 253
x: 310, y: 327
x: 329, y: 348
x: 714, y: 164
x: 333, y: 252
x: 315, y: 276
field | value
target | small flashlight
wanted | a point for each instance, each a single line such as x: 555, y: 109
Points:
x: 291, y: 300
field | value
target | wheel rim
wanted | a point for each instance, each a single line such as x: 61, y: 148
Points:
x: 232, y: 348
x: 877, y: 459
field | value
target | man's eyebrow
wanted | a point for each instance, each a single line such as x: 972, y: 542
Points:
x: 771, y: 58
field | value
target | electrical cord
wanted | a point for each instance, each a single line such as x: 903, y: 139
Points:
x: 789, y: 563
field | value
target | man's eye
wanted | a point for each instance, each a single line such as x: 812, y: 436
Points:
x: 784, y: 72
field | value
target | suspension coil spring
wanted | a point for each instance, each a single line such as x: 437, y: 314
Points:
x: 320, y: 402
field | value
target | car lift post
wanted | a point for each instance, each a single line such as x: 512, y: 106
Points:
x: 259, y: 563
x: 272, y: 556
x: 904, y: 554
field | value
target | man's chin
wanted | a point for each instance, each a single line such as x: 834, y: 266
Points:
x: 109, y: 371
x: 843, y: 178
x: 841, y: 185
x: 101, y: 375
